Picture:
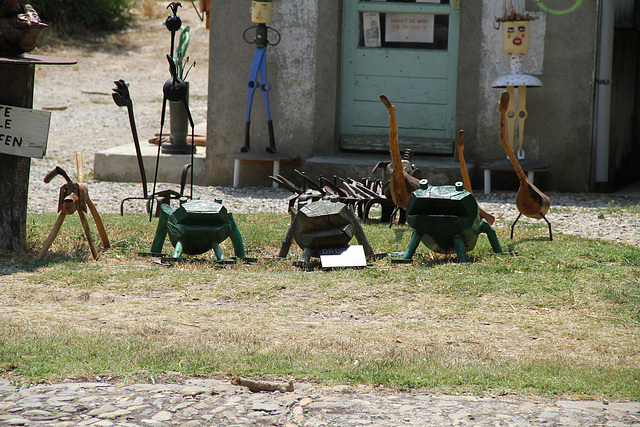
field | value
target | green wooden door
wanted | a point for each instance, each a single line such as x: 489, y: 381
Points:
x: 407, y: 50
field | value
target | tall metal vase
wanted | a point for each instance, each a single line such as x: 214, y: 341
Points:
x: 179, y: 140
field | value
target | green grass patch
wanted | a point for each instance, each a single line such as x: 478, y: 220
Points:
x: 554, y: 318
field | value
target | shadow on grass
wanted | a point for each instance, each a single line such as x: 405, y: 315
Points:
x: 25, y: 261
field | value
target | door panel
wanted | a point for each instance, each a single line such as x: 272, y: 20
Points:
x: 408, y: 51
x: 401, y: 63
x: 417, y: 119
x: 368, y: 88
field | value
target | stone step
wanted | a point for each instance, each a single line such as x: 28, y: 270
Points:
x: 120, y: 164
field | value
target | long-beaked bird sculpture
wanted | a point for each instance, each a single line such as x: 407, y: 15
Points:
x: 401, y: 183
x: 530, y: 201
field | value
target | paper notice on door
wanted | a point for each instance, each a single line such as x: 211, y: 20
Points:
x: 371, y: 24
x: 409, y: 28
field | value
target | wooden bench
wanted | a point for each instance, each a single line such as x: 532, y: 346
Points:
x: 530, y: 166
x: 261, y: 157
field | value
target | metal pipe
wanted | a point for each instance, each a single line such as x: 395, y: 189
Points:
x: 603, y: 91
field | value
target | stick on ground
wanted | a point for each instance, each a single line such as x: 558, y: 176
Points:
x: 256, y: 386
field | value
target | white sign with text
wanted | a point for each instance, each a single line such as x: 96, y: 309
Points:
x: 409, y: 28
x: 24, y: 132
x: 348, y: 256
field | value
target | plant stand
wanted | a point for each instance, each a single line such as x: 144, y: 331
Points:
x: 16, y: 89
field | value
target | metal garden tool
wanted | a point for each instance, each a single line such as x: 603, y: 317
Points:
x: 174, y: 89
x: 261, y: 12
x: 74, y: 197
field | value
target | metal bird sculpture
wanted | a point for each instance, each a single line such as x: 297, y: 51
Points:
x: 174, y: 89
x: 402, y: 184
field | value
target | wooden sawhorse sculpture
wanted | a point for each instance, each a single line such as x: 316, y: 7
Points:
x: 74, y: 197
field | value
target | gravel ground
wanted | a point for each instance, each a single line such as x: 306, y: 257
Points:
x: 84, y: 118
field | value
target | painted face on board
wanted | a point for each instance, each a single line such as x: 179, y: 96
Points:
x: 515, y: 37
x: 261, y: 11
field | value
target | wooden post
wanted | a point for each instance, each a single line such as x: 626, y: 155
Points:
x: 16, y: 89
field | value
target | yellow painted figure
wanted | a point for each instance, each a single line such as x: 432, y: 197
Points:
x: 515, y: 43
x: 261, y: 12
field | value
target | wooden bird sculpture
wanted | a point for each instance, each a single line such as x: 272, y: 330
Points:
x: 465, y: 178
x: 530, y: 201
x: 401, y: 183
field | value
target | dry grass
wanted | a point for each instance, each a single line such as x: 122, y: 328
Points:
x: 152, y: 8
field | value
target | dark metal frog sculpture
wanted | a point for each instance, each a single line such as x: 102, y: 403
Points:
x: 323, y: 224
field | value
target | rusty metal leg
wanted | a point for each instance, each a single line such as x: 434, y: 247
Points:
x: 549, y: 224
x: 514, y: 224
x: 52, y: 236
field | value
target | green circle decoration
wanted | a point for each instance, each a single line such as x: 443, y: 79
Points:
x: 558, y: 12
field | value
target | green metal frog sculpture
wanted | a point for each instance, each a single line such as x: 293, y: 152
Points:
x: 196, y: 227
x: 446, y: 219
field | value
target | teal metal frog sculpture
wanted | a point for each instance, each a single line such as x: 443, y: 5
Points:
x: 196, y: 227
x: 446, y: 219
